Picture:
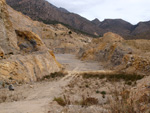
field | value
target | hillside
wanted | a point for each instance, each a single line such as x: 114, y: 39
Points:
x: 111, y: 76
x: 26, y: 47
x: 130, y: 56
x: 24, y: 57
x: 56, y: 37
x: 42, y: 10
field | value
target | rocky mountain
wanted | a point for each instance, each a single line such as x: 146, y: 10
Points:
x: 125, y: 29
x: 115, y: 26
x: 141, y: 30
x: 63, y: 10
x: 96, y: 22
x: 42, y: 10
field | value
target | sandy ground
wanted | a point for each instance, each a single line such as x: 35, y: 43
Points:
x: 72, y: 63
x: 38, y: 95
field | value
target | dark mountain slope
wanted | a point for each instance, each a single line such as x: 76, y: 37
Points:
x: 42, y: 10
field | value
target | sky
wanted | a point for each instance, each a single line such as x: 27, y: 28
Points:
x: 132, y: 11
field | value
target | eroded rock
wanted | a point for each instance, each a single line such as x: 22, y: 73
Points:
x: 1, y: 52
x: 27, y: 58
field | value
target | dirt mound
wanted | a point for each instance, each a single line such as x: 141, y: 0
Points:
x: 117, y: 53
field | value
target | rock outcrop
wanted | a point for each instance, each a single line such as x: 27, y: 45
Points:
x: 29, y: 41
x: 24, y: 56
x: 8, y: 40
x: 27, y: 68
x: 131, y: 56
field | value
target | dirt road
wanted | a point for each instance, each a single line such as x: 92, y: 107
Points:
x: 35, y: 98
x: 72, y: 63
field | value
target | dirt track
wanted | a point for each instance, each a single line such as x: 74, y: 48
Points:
x: 38, y: 95
x: 72, y: 63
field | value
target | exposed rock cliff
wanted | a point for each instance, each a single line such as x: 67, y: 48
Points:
x: 24, y: 56
x: 8, y: 40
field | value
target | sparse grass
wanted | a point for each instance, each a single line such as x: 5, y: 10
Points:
x: 54, y: 75
x: 63, y: 101
x: 88, y: 101
x: 113, y: 76
x: 8, y: 96
x: 60, y: 101
x: 123, y: 102
x: 85, y: 101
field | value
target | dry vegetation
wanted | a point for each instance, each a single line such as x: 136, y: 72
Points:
x: 93, y: 92
x: 54, y: 75
x: 103, y: 93
x: 113, y: 76
x: 10, y: 96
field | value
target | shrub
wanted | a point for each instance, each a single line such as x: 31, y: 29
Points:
x: 103, y: 94
x: 60, y: 101
x: 122, y: 102
x: 54, y: 75
x: 63, y: 101
x: 97, y: 91
x: 88, y: 101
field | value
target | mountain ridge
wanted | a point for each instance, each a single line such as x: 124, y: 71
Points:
x: 42, y: 10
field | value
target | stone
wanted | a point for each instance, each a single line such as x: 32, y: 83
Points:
x: 11, y: 87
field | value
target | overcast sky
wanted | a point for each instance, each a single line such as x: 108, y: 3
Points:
x: 132, y: 11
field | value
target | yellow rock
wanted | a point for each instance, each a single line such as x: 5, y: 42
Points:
x: 1, y: 52
x: 28, y: 68
x: 17, y: 66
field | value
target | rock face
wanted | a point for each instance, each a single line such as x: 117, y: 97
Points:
x: 8, y: 40
x: 27, y: 68
x: 1, y: 52
x: 24, y: 56
x: 131, y: 56
x: 44, y: 11
x: 29, y: 41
